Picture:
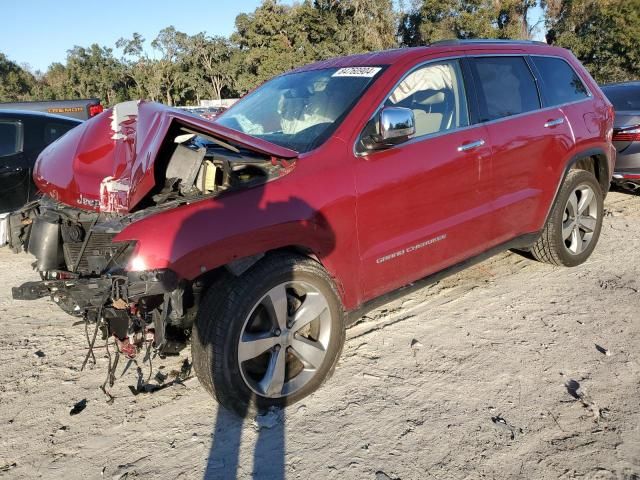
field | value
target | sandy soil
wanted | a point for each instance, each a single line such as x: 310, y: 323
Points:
x: 510, y: 369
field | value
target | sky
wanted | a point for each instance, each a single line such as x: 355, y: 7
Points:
x: 39, y: 32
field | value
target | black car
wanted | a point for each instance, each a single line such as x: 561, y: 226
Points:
x: 625, y: 98
x: 23, y: 135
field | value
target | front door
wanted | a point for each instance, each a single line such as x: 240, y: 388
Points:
x: 425, y: 204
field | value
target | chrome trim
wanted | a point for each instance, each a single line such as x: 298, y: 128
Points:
x: 554, y: 123
x: 475, y: 125
x: 396, y: 122
x: 470, y: 146
x: 386, y: 96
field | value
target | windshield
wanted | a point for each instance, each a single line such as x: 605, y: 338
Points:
x: 300, y: 110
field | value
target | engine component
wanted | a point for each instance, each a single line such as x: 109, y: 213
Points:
x: 185, y: 164
x: 206, y: 181
x: 72, y: 233
x: 30, y: 291
x: 44, y: 242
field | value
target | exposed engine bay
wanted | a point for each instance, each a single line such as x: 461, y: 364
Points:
x: 202, y: 165
x: 88, y: 274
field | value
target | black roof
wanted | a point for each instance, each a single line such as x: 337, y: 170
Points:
x: 34, y: 114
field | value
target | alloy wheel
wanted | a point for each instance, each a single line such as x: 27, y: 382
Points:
x: 284, y: 339
x: 580, y: 219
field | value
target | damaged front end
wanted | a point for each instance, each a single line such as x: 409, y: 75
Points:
x: 88, y: 275
x: 126, y: 165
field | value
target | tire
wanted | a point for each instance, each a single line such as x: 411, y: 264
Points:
x: 236, y: 312
x: 554, y: 246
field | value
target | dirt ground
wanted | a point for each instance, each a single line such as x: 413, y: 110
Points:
x: 510, y: 369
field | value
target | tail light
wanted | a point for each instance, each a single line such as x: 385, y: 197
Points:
x: 95, y: 109
x: 627, y: 134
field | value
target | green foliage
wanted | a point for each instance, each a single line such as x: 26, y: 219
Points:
x: 267, y: 44
x: 603, y: 34
x: 276, y: 37
x: 15, y: 82
x: 208, y: 65
x: 177, y: 68
x: 93, y: 72
x: 433, y: 20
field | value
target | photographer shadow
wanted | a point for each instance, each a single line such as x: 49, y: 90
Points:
x: 237, y: 220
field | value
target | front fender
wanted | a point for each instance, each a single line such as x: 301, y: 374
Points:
x: 199, y: 237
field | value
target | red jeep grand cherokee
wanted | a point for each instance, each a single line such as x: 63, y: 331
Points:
x: 328, y: 186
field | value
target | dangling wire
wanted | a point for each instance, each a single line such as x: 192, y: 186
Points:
x: 111, y: 377
x: 93, y: 340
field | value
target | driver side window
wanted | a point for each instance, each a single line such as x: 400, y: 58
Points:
x: 11, y: 137
x: 435, y: 93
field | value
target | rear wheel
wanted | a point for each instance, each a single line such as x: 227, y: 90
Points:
x: 269, y: 337
x: 573, y: 228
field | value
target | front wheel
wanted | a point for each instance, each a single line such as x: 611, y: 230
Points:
x: 269, y: 337
x: 573, y: 227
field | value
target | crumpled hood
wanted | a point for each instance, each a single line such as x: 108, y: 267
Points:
x: 106, y: 163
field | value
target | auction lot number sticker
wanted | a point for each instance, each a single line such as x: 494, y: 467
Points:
x: 357, y: 72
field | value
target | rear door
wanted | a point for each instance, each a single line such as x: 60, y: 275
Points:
x: 528, y: 143
x: 423, y: 205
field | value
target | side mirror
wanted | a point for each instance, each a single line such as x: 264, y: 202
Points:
x: 395, y: 125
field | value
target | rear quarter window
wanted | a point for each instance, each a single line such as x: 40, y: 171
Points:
x: 10, y: 137
x: 561, y: 84
x: 505, y: 87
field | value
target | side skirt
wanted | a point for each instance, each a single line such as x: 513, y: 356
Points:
x: 521, y: 242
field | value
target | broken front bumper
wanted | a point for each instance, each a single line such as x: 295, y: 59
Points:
x: 133, y: 308
x: 77, y: 295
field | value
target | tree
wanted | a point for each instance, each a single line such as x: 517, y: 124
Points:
x: 15, y: 82
x: 94, y: 72
x: 603, y: 34
x: 275, y: 37
x: 433, y: 20
x: 209, y: 64
x: 56, y: 83
x: 266, y: 44
x: 136, y: 65
x: 171, y: 45
x: 365, y: 25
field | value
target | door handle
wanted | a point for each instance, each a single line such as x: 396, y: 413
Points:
x: 553, y: 123
x: 471, y: 145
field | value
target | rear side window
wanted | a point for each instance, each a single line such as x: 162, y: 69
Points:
x: 10, y: 138
x: 561, y: 84
x: 53, y: 131
x: 505, y: 87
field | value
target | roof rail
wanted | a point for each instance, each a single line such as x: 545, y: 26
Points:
x: 486, y: 40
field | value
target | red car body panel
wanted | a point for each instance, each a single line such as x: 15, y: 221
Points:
x: 409, y: 223
x: 102, y: 151
x: 424, y: 198
x: 294, y: 210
